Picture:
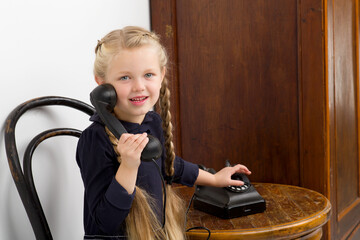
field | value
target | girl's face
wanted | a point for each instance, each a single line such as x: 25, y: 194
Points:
x: 136, y: 75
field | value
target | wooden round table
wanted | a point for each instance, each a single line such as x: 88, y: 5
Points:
x: 291, y: 213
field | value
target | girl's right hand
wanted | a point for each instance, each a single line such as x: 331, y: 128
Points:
x: 130, y: 147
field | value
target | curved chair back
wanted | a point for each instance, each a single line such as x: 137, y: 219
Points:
x: 23, y: 178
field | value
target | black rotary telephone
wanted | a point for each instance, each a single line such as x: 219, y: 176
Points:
x: 229, y: 202
x: 104, y: 98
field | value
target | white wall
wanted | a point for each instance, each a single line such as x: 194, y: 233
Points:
x: 47, y: 48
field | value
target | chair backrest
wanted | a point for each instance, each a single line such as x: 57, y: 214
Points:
x: 23, y: 178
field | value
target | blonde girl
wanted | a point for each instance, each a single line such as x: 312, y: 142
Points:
x: 123, y: 195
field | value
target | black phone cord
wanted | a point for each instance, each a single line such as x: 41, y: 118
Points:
x: 208, y: 230
x: 189, y: 229
x: 164, y: 187
x: 187, y: 210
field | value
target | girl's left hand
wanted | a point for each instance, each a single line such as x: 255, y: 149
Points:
x: 223, y: 177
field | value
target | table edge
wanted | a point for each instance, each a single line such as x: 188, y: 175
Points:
x: 322, y: 218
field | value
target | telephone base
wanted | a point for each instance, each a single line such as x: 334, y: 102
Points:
x: 225, y: 204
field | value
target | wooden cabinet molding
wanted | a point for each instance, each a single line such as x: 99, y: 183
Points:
x: 273, y: 84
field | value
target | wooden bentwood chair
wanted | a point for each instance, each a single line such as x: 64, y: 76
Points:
x: 23, y: 178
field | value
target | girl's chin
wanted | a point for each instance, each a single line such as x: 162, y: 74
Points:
x: 137, y: 117
x: 132, y: 113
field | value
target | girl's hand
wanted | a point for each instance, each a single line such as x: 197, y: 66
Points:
x: 130, y: 147
x: 223, y: 177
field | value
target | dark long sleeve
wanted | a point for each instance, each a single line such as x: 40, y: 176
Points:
x: 106, y: 202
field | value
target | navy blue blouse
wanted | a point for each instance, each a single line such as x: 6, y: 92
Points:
x: 106, y: 202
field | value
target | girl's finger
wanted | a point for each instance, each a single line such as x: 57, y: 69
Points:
x: 139, y: 137
x: 236, y: 183
x: 242, y: 169
x: 124, y: 137
x: 133, y: 140
x: 143, y: 140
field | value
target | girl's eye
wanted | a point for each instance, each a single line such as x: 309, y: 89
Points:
x: 148, y: 75
x: 124, y: 78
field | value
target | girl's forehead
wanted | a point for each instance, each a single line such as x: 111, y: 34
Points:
x: 136, y: 59
x: 144, y: 49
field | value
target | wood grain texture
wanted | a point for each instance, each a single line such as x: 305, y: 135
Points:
x: 273, y: 84
x: 163, y: 22
x: 239, y: 87
x: 355, y: 234
x: 292, y: 212
x: 313, y: 102
x: 346, y: 105
x: 343, y: 79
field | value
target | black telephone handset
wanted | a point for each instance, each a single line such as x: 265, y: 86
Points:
x: 229, y: 202
x: 104, y: 98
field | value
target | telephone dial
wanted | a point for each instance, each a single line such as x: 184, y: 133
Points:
x: 104, y: 98
x: 229, y: 202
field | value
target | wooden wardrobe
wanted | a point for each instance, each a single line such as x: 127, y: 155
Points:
x: 272, y: 84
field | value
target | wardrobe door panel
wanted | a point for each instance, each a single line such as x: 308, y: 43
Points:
x: 346, y: 115
x: 238, y: 85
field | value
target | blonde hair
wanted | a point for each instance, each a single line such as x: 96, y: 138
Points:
x: 126, y: 38
x: 141, y: 222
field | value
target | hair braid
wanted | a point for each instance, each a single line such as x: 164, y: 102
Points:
x: 175, y: 214
x: 167, y: 127
x: 141, y: 215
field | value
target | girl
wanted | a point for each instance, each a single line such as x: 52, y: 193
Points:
x: 123, y: 195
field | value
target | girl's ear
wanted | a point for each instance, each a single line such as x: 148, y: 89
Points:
x: 99, y: 80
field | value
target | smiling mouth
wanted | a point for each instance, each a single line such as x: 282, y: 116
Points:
x: 139, y: 99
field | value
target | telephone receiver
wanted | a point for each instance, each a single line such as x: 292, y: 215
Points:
x: 104, y: 98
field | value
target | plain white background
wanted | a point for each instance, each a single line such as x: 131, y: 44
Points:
x: 47, y: 48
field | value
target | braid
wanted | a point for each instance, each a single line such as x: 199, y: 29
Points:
x: 98, y: 46
x: 167, y: 127
x: 141, y: 215
x: 175, y: 206
x: 114, y: 142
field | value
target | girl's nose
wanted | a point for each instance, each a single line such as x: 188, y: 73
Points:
x: 138, y: 85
